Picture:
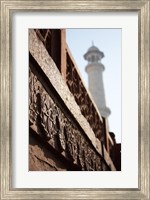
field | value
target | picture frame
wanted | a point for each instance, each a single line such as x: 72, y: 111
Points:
x: 8, y: 7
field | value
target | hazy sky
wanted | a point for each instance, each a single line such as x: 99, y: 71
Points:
x: 109, y: 42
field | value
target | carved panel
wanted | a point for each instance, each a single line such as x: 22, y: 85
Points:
x: 53, y: 125
x: 44, y: 35
x: 83, y: 100
x: 51, y: 39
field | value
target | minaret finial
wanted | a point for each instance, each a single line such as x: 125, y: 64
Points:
x: 92, y: 43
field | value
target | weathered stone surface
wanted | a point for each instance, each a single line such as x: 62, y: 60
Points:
x: 42, y: 159
x: 48, y: 120
x: 68, y: 149
x: 83, y: 99
x: 42, y: 57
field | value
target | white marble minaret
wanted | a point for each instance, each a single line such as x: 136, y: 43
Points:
x: 95, y: 70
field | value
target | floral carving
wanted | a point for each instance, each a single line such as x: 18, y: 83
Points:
x: 82, y: 98
x: 58, y: 130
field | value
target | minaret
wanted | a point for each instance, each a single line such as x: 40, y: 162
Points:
x: 95, y: 70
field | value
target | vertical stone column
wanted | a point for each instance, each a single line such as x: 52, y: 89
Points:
x: 95, y: 70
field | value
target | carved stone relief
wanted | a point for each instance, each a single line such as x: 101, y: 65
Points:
x: 58, y: 130
x: 83, y: 100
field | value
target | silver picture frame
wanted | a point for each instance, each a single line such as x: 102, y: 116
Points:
x: 8, y: 7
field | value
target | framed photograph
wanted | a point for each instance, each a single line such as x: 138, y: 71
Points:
x: 57, y: 141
